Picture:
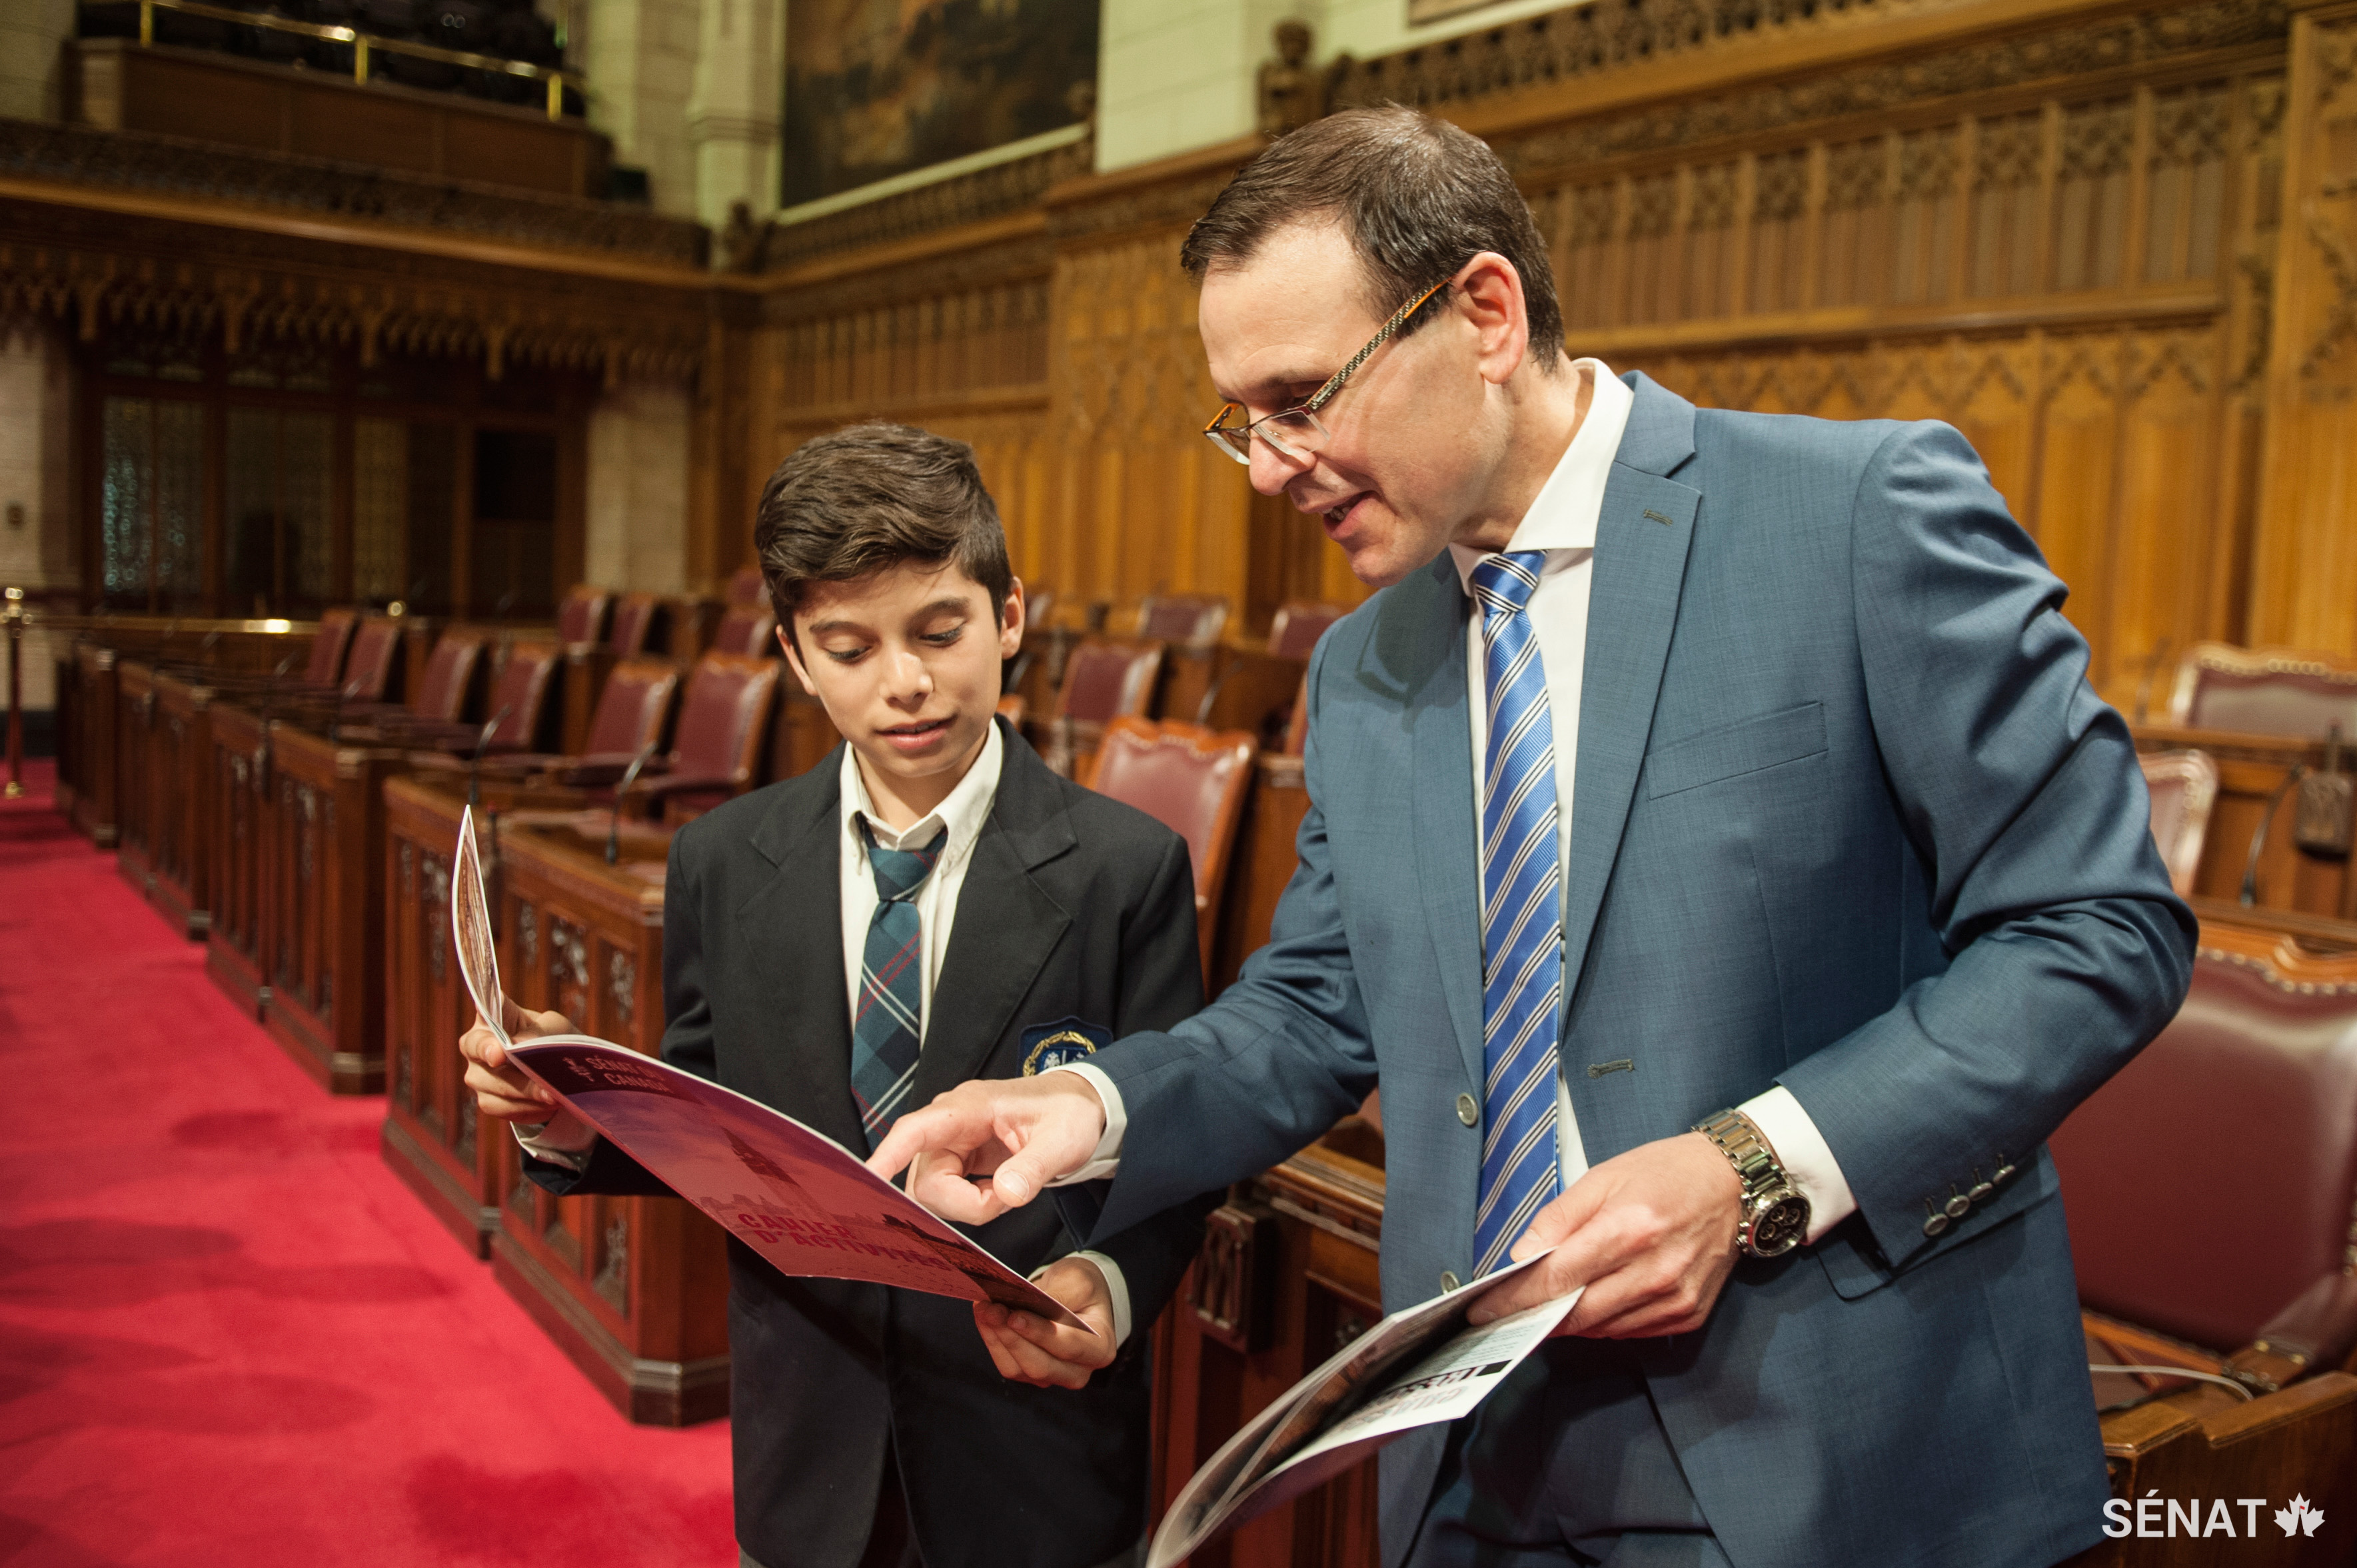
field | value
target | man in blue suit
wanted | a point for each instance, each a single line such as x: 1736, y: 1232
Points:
x: 1719, y: 859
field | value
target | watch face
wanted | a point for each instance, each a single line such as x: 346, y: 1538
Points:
x: 1779, y: 1227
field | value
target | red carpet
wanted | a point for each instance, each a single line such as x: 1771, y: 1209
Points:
x: 228, y: 1334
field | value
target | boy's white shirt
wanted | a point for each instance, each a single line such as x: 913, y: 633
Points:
x: 964, y: 813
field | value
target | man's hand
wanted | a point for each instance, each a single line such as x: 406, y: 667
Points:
x: 502, y: 1088
x: 990, y: 1145
x: 1651, y: 1233
x: 1030, y: 1349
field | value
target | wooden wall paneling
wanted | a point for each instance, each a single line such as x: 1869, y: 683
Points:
x: 2303, y: 586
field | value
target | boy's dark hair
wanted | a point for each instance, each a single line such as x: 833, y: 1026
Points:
x: 1418, y: 197
x: 870, y: 498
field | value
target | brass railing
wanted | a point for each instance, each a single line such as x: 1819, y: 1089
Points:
x: 12, y: 610
x: 364, y: 44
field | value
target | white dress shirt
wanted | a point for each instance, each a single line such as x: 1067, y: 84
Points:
x: 963, y: 815
x: 1561, y: 522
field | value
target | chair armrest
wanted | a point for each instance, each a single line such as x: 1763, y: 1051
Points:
x: 2317, y: 1330
x: 672, y: 783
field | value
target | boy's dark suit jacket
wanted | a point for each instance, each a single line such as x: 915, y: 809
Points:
x: 1074, y: 906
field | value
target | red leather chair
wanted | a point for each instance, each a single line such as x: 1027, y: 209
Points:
x: 1188, y: 620
x: 327, y: 649
x: 2183, y: 786
x: 1104, y: 680
x: 1194, y: 781
x: 1295, y: 631
x: 582, y: 617
x: 2209, y: 1187
x: 375, y: 658
x: 633, y: 627
x: 748, y: 587
x: 633, y: 713
x: 450, y: 672
x: 717, y: 742
x: 2265, y: 690
x: 749, y: 630
x: 519, y: 699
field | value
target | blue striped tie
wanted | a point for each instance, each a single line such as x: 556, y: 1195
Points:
x: 1522, y: 914
x: 887, y: 1026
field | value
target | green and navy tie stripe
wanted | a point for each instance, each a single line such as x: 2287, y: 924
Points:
x: 1522, y: 914
x: 887, y: 1026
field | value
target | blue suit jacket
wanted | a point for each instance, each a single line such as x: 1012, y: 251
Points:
x: 1849, y: 818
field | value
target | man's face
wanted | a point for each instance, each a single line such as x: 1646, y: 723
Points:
x: 906, y: 662
x: 1408, y: 447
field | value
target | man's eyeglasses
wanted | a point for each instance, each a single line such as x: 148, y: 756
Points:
x: 1295, y: 432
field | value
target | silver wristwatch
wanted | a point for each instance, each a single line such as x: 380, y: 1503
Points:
x: 1775, y: 1216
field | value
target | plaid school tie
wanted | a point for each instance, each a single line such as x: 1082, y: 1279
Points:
x: 888, y: 1025
x: 1522, y: 914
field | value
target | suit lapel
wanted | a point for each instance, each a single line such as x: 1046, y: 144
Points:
x: 1006, y: 926
x: 1642, y: 538
x: 796, y: 920
x: 1447, y: 843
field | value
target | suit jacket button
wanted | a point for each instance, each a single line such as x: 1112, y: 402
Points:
x: 1956, y: 1206
x: 1448, y: 1281
x: 1934, y: 1225
x: 1468, y: 1111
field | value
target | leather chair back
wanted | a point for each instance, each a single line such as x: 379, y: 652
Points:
x: 1295, y: 632
x: 449, y: 672
x: 2209, y: 1184
x: 1192, y: 780
x: 1192, y: 620
x: 723, y: 719
x: 521, y: 689
x: 749, y: 630
x: 1297, y: 723
x: 329, y: 646
x: 633, y: 624
x: 375, y: 655
x: 747, y: 586
x: 633, y: 709
x: 2183, y: 786
x: 1106, y: 679
x: 2265, y: 690
x: 582, y: 617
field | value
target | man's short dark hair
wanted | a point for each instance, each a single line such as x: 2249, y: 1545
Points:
x: 1418, y: 197
x: 870, y: 498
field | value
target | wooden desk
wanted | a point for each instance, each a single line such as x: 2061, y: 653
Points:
x: 137, y: 789
x: 1287, y: 1275
x: 2251, y: 768
x: 181, y: 749
x: 634, y: 1289
x: 321, y: 821
x: 430, y: 1138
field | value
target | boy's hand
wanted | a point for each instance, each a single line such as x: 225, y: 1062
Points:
x: 990, y: 1145
x: 502, y: 1088
x: 1030, y: 1349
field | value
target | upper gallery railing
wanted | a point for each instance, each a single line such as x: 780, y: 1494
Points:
x: 364, y: 44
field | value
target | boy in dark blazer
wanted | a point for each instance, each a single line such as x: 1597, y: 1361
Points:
x: 929, y: 905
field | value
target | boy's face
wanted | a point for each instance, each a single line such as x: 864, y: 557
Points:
x: 906, y: 664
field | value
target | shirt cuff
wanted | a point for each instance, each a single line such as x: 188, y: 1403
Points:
x: 1802, y: 1150
x: 563, y: 1140
x: 1116, y: 1290
x: 1106, y: 1159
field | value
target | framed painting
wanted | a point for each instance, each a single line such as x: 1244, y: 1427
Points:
x: 880, y: 88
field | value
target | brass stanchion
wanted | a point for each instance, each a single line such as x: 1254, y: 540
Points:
x: 15, y: 616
